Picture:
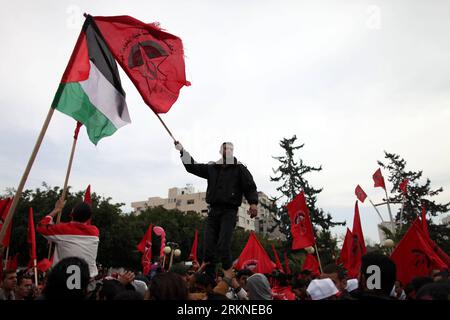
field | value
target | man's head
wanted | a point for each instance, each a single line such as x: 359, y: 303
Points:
x: 82, y: 212
x: 226, y: 150
x: 370, y: 264
x: 299, y: 287
x: 68, y: 280
x: 337, y: 274
x: 24, y: 286
x: 242, y: 277
x: 201, y: 283
x: 9, y: 280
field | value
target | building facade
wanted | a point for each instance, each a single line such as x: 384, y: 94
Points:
x: 186, y: 199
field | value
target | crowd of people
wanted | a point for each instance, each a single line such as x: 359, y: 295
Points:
x: 186, y: 281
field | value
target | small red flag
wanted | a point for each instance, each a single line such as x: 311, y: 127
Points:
x: 31, y: 236
x: 6, y: 204
x: 360, y: 194
x: 12, y: 262
x: 286, y: 264
x: 414, y: 257
x: 351, y: 254
x: 277, y: 260
x: 145, y: 247
x: 87, y: 196
x: 77, y: 130
x: 301, y: 227
x: 403, y: 186
x: 152, y: 59
x: 193, y: 254
x: 357, y: 229
x: 311, y: 264
x: 378, y: 179
x: 254, y: 257
x: 44, y: 265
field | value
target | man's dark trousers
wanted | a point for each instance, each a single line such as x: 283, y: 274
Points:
x: 220, y: 226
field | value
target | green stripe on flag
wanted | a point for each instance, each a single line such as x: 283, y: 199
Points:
x: 73, y: 101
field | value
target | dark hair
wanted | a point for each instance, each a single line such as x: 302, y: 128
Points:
x: 243, y: 272
x: 168, y: 286
x: 305, y: 272
x: 82, y: 212
x: 110, y: 289
x: 419, y: 282
x: 299, y: 283
x: 434, y: 291
x: 57, y: 283
x: 7, y: 272
x: 204, y: 280
x: 335, y: 268
x: 22, y: 276
x: 387, y: 268
x: 283, y: 279
x: 129, y: 295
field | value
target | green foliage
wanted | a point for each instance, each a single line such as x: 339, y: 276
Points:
x: 419, y: 193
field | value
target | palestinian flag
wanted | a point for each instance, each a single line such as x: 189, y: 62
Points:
x: 90, y: 89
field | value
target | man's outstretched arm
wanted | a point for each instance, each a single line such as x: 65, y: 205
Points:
x: 199, y: 169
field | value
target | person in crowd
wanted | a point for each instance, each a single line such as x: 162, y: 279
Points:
x: 397, y: 292
x: 338, y: 275
x: 24, y: 287
x: 282, y: 290
x: 167, y: 286
x: 387, y: 274
x: 8, y: 285
x: 322, y: 289
x: 435, y: 291
x: 76, y: 238
x: 67, y: 280
x: 259, y: 288
x: 299, y: 287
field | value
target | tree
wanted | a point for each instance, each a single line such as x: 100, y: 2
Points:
x: 419, y: 192
x: 291, y: 175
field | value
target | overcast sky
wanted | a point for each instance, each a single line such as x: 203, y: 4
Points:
x: 349, y: 78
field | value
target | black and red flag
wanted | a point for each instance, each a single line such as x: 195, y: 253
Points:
x: 360, y: 194
x: 145, y: 247
x: 357, y: 229
x: 378, y: 179
x: 152, y: 58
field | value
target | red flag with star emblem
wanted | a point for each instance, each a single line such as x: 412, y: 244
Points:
x: 152, y: 58
x: 301, y: 227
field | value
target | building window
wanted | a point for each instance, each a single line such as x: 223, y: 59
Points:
x: 205, y: 211
x: 191, y: 201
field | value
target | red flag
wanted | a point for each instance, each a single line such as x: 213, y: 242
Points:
x: 31, y: 235
x: 152, y: 58
x: 357, y: 229
x: 424, y: 222
x: 277, y: 259
x: 145, y: 247
x: 403, y: 186
x: 193, y: 254
x: 87, y: 196
x: 414, y: 257
x: 254, y: 257
x: 351, y: 254
x: 44, y: 265
x: 286, y: 264
x: 378, y: 179
x: 311, y: 264
x: 12, y: 262
x: 6, y: 204
x: 360, y: 194
x: 301, y: 227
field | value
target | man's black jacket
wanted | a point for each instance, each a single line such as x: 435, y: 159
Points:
x: 227, y: 183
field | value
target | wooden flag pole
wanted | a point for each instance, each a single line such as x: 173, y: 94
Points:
x: 35, y: 272
x: 318, y: 257
x: 66, y: 180
x: 167, y: 129
x: 6, y: 256
x: 24, y: 178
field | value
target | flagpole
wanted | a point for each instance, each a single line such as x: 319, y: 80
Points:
x: 389, y: 209
x: 66, y: 179
x: 7, y: 255
x: 318, y: 257
x: 24, y: 178
x: 167, y: 129
x: 401, y: 211
x: 35, y: 272
x: 382, y: 220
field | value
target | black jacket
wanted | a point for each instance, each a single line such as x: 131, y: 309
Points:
x: 227, y: 183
